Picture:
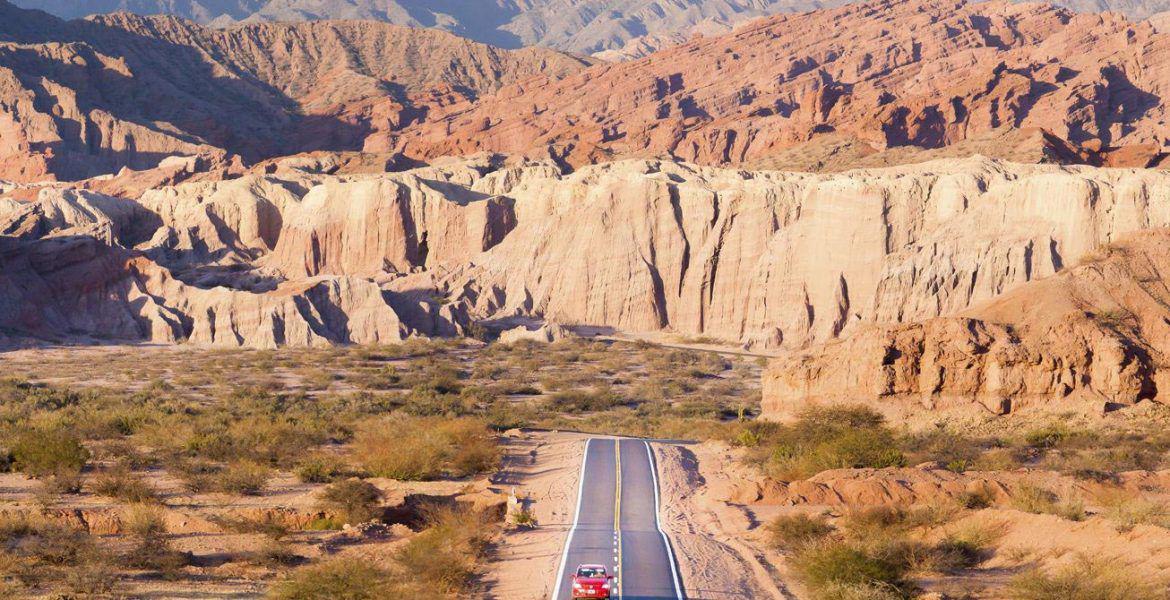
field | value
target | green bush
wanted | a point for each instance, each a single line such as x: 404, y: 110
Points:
x: 354, y: 500
x: 825, y: 566
x: 340, y: 578
x: 48, y: 452
x: 243, y: 478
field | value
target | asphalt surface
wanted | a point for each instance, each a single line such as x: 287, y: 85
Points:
x: 643, y: 560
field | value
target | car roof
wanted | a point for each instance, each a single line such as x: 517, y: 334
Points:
x: 590, y: 566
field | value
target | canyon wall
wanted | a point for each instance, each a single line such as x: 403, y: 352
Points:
x: 771, y: 260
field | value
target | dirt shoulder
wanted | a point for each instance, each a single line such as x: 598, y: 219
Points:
x: 716, y: 542
x: 543, y: 468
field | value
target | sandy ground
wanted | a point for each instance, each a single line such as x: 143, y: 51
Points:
x: 543, y: 468
x: 705, y: 531
x: 716, y: 541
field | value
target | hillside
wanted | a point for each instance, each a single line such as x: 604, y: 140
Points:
x: 88, y: 97
x: 922, y: 73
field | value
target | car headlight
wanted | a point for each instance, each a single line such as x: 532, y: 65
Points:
x: 605, y: 586
x: 576, y: 585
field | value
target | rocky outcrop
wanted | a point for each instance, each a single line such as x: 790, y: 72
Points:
x: 773, y: 260
x: 1090, y: 338
x: 926, y: 73
x: 83, y: 98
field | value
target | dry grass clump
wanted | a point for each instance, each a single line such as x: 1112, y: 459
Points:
x: 1039, y: 500
x: 439, y: 562
x: 792, y: 532
x: 445, y: 555
x: 831, y: 567
x: 348, y: 578
x: 1128, y: 509
x: 873, y: 552
x: 241, y: 478
x: 147, y: 524
x: 1087, y: 579
x: 423, y: 448
x: 353, y: 500
x: 122, y: 484
x: 39, y: 554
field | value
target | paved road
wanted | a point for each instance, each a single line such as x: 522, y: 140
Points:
x: 620, y: 530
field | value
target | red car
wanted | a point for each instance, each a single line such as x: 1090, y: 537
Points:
x: 591, y: 581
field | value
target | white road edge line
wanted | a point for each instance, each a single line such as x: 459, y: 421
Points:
x: 576, y: 517
x: 658, y: 523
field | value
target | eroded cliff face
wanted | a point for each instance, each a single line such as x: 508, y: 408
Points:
x: 923, y: 73
x: 89, y: 97
x: 768, y: 259
x: 1090, y: 338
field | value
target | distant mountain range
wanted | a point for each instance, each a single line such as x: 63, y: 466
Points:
x: 620, y: 28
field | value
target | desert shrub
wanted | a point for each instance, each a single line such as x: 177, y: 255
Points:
x: 445, y: 554
x: 342, y: 578
x: 421, y: 448
x: 954, y: 451
x: 1035, y: 499
x: 1048, y: 436
x: 827, y: 565
x: 977, y: 497
x: 322, y: 468
x: 273, y: 439
x: 828, y: 438
x: 1128, y: 509
x: 147, y: 524
x: 353, y: 499
x: 1086, y: 579
x: 243, y: 478
x: 789, y: 532
x: 46, y: 453
x: 578, y: 401
x: 38, y: 553
x: 122, y: 484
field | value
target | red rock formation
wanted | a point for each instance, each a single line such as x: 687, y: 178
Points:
x: 924, y: 72
x: 88, y: 97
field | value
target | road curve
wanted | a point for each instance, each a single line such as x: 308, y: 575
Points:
x: 616, y: 523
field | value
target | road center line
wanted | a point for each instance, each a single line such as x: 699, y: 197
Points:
x: 617, y: 516
x: 556, y: 592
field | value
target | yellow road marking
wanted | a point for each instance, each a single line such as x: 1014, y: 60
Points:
x: 617, y: 515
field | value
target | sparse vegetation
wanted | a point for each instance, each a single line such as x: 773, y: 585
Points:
x: 352, y: 499
x: 421, y: 448
x: 1086, y: 579
x: 796, y: 531
x: 1036, y: 499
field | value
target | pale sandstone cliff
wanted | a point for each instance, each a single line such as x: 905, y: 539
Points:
x: 1091, y: 338
x: 771, y: 259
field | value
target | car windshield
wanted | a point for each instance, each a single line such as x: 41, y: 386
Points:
x: 590, y: 572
